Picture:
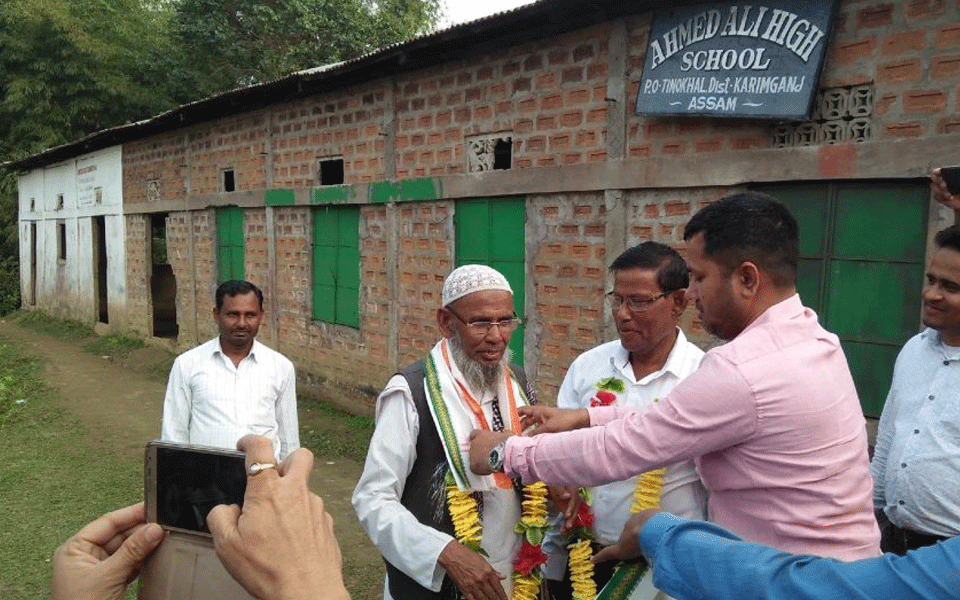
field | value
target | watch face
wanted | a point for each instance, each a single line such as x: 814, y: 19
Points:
x: 496, y: 457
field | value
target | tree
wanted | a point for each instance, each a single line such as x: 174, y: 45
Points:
x: 235, y: 43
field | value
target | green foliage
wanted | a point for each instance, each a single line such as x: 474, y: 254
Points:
x: 9, y: 248
x: 234, y: 43
x: 52, y: 484
x: 72, y: 67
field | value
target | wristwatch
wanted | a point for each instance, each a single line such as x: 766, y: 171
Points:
x: 495, y: 459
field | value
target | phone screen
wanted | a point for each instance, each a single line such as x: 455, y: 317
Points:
x: 189, y: 482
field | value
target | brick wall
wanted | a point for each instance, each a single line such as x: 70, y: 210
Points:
x: 138, y: 274
x: 552, y: 97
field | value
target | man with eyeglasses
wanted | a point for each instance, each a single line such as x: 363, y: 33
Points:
x: 647, y: 361
x: 418, y: 450
x: 771, y: 417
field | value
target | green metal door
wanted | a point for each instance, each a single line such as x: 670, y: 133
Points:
x: 490, y: 231
x: 862, y: 249
x: 229, y: 243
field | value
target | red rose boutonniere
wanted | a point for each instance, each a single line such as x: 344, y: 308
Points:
x: 603, y: 398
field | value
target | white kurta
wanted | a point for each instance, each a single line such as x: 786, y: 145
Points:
x: 406, y: 543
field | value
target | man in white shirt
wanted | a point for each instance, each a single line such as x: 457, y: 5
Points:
x: 916, y: 462
x: 233, y: 385
x: 418, y: 449
x: 650, y: 357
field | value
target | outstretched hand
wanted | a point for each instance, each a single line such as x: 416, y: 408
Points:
x: 548, y: 419
x: 99, y: 561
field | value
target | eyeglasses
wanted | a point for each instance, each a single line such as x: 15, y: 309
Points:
x: 483, y: 326
x: 634, y: 305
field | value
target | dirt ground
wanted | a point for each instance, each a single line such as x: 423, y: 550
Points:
x: 120, y: 407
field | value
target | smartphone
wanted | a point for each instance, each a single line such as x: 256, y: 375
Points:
x: 951, y: 176
x: 182, y: 482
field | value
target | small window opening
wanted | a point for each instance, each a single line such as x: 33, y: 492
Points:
x: 59, y: 201
x: 33, y: 204
x: 98, y: 195
x: 229, y: 184
x: 502, y: 151
x: 61, y: 241
x: 331, y: 171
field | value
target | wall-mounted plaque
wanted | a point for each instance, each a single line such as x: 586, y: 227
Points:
x: 732, y: 59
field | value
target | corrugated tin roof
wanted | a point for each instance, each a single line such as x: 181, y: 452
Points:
x: 523, y: 24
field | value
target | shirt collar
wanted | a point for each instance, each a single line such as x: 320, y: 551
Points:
x: 674, y: 363
x: 781, y: 311
x: 218, y: 349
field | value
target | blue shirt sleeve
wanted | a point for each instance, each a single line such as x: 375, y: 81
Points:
x: 694, y: 560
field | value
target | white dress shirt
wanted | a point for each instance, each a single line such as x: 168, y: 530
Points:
x: 406, y: 543
x: 212, y: 402
x: 683, y: 494
x: 916, y: 461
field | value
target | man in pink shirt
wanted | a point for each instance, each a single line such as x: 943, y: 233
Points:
x: 771, y: 417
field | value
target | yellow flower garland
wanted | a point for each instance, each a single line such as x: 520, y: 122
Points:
x: 533, y: 521
x: 645, y: 495
x: 581, y: 570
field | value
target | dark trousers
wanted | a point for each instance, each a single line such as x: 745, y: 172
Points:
x: 563, y: 590
x: 899, y: 541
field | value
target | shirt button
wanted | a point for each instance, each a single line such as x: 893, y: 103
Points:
x: 901, y: 502
x: 946, y: 362
x: 904, y: 465
x: 930, y: 397
x: 916, y: 431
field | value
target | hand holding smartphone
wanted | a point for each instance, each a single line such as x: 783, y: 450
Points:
x: 182, y: 483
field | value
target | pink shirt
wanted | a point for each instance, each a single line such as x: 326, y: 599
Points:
x: 773, y: 420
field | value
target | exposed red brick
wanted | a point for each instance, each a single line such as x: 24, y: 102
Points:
x: 675, y: 147
x: 580, y: 96
x: 924, y: 9
x: 546, y: 123
x: 521, y: 84
x: 597, y: 70
x: 906, y: 41
x: 947, y: 36
x: 533, y: 62
x: 945, y: 66
x: 582, y: 52
x: 551, y: 101
x: 559, y: 142
x: 571, y: 118
x: 875, y: 16
x: 904, y: 129
x: 924, y: 101
x: 546, y: 81
x: 949, y: 125
x: 899, y: 71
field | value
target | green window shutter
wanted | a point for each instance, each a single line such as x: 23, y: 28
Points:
x: 336, y: 265
x: 491, y: 231
x: 230, y: 254
x: 862, y: 248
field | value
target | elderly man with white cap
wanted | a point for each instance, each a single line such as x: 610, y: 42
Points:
x: 419, y: 449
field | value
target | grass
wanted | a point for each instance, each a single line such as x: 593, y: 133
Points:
x: 116, y: 345
x: 331, y: 433
x: 63, y: 329
x: 52, y: 483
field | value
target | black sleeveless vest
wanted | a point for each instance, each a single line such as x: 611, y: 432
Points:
x: 424, y: 491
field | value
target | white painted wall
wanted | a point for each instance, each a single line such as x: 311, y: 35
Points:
x: 90, y: 185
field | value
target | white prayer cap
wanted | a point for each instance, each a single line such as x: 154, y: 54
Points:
x: 472, y: 278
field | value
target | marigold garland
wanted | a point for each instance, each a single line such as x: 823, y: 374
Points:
x: 645, y: 495
x: 532, y: 525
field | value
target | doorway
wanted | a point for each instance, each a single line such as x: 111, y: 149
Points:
x: 163, y: 284
x: 100, y: 268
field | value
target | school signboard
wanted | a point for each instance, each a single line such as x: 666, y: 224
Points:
x: 732, y: 59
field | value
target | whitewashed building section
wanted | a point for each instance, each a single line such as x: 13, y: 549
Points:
x: 72, y: 233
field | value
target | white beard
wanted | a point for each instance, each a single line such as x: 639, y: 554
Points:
x: 480, y: 377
